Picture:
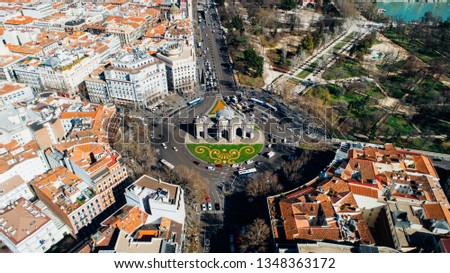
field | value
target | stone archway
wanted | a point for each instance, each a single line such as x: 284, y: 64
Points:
x: 225, y: 134
x: 212, y: 132
x: 239, y: 132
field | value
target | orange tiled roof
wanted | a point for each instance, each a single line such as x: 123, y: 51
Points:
x: 20, y: 20
x: 437, y: 212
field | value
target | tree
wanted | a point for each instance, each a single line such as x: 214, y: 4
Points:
x: 288, y: 4
x: 195, y: 185
x: 255, y: 239
x: 348, y: 9
x: 263, y: 184
x: 307, y: 43
x: 193, y: 229
x: 254, y: 61
x: 292, y: 169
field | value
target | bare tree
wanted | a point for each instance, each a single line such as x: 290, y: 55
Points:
x: 348, y: 9
x: 263, y: 184
x: 255, y: 239
x: 291, y: 170
x: 192, y: 242
x: 195, y: 185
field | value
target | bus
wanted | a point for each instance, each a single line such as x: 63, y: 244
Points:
x: 195, y: 102
x: 167, y: 164
x: 271, y: 107
x: 257, y: 101
x: 247, y: 172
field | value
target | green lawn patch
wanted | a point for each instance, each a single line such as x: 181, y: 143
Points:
x: 225, y: 153
x: 345, y: 69
x: 376, y: 93
x: 304, y: 73
x: 257, y: 82
x: 295, y: 81
x: 396, y: 124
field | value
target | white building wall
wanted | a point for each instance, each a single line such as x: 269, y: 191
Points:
x: 10, y: 197
x: 38, y: 242
x: 17, y: 96
x: 39, y: 11
x: 27, y: 169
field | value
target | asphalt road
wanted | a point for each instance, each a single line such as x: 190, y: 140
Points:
x: 214, y: 45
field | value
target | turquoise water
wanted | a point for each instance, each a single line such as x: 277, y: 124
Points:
x: 415, y: 11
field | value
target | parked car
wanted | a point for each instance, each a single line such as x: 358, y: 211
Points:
x: 249, y: 161
x: 164, y: 145
x: 211, y: 168
x: 217, y: 206
x: 209, y: 206
x: 219, y: 166
x: 196, y: 162
x: 204, y: 207
x: 175, y: 149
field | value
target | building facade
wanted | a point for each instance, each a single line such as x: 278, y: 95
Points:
x: 136, y: 79
x: 180, y: 63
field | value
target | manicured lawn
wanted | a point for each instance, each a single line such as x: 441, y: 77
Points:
x: 304, y: 73
x: 295, y: 81
x: 376, y: 93
x: 339, y: 46
x: 250, y: 81
x: 346, y: 69
x: 224, y: 153
x: 398, y: 124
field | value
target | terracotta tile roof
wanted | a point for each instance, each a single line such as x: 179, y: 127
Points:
x: 6, y: 87
x: 21, y: 221
x: 326, y: 205
x: 335, y: 184
x: 127, y: 219
x: 24, y: 49
x: 20, y: 20
x: 363, y: 189
x: 437, y: 212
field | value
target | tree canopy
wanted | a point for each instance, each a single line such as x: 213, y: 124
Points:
x: 254, y: 61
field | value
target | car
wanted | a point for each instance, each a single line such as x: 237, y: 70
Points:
x: 164, y: 145
x: 235, y: 165
x: 175, y: 149
x: 217, y: 206
x: 259, y: 162
x: 204, y: 207
x: 211, y: 168
x: 219, y: 166
x: 249, y: 161
x: 196, y: 162
x: 209, y: 206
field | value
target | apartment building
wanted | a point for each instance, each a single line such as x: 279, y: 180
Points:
x: 136, y: 79
x: 25, y: 228
x: 157, y: 198
x: 14, y: 92
x: 180, y: 64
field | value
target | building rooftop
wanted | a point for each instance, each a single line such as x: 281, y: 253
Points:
x: 8, y: 87
x: 64, y: 188
x: 18, y: 154
x: 151, y: 183
x: 20, y: 20
x: 127, y: 219
x: 10, y: 184
x: 21, y: 220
